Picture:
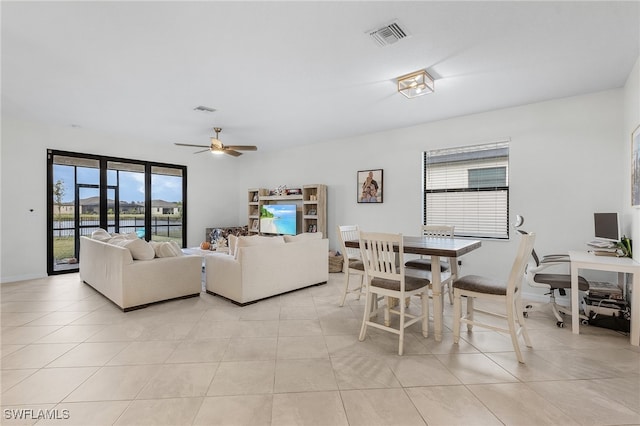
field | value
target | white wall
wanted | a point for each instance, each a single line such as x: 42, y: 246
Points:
x: 565, y: 163
x: 556, y: 147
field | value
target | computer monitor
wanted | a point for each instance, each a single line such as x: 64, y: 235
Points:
x: 606, y: 226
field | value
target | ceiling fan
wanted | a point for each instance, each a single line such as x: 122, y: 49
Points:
x: 218, y: 147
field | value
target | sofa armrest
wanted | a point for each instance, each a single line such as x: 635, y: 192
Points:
x: 223, y: 275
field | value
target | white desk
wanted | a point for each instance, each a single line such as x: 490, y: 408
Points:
x: 586, y: 260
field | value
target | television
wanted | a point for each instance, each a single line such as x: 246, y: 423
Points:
x: 607, y: 226
x: 278, y: 219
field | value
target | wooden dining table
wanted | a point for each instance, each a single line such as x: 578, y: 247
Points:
x: 435, y: 247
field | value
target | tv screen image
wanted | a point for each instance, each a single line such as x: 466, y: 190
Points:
x: 278, y: 219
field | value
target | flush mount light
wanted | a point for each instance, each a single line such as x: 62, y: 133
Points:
x: 415, y: 84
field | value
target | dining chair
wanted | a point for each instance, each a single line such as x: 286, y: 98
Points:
x: 385, y: 277
x: 352, y: 263
x: 424, y: 262
x: 510, y: 293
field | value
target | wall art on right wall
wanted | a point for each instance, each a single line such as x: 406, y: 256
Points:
x: 635, y: 167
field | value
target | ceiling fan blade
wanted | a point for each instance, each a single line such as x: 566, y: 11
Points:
x: 188, y: 144
x: 232, y: 152
x: 242, y: 147
x: 202, y: 150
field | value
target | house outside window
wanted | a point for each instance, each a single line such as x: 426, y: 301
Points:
x: 468, y: 187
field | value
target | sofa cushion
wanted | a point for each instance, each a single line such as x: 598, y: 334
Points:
x: 164, y: 249
x: 256, y: 240
x: 140, y: 249
x: 177, y: 250
x: 305, y: 236
x: 100, y: 235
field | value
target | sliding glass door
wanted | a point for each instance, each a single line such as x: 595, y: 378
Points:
x: 87, y: 192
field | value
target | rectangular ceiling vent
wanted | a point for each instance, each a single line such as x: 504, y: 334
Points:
x: 389, y: 34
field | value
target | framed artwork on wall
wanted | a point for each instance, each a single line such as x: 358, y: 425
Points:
x: 635, y: 167
x: 370, y: 186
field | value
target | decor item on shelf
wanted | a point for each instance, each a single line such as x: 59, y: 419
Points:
x: 417, y: 83
x: 205, y: 245
x: 218, y: 147
x: 294, y: 191
x: 369, y: 186
x: 281, y: 190
x: 635, y: 167
x: 312, y: 212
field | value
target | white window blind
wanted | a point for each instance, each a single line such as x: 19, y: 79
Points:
x: 468, y: 187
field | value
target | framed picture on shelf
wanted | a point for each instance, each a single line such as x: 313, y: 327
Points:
x: 369, y: 186
x: 254, y: 225
x: 635, y: 167
x: 312, y: 212
x: 255, y: 197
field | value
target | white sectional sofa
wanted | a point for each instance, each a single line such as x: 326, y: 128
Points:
x: 258, y: 267
x: 131, y: 276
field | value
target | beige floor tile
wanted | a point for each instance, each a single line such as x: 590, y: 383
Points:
x: 349, y: 345
x: 26, y: 414
x: 450, y: 406
x: 585, y: 404
x: 260, y: 312
x: 167, y: 331
x: 113, y: 383
x: 625, y: 390
x: 214, y: 330
x: 9, y: 349
x: 88, y: 413
x: 251, y: 349
x: 266, y: 328
x: 244, y: 410
x: 308, y: 408
x: 48, y: 385
x: 161, y: 412
x: 242, y: 378
x: 302, y: 347
x: 380, y: 407
x: 14, y: 319
x: 10, y: 378
x: 24, y: 335
x: 71, y: 334
x: 179, y: 381
x: 579, y: 364
x: 518, y: 404
x: 151, y: 352
x: 289, y: 328
x: 354, y: 372
x: 210, y: 350
x: 332, y: 326
x: 35, y: 356
x: 89, y: 354
x: 298, y: 313
x: 535, y: 368
x: 420, y: 370
x: 302, y: 375
x: 106, y: 315
x: 58, y: 318
x: 475, y: 368
x: 446, y: 345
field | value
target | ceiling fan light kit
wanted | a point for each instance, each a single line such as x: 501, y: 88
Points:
x: 417, y: 83
x: 217, y: 147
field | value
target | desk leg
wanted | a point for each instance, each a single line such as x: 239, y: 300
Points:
x: 575, y: 306
x: 635, y: 310
x: 436, y: 290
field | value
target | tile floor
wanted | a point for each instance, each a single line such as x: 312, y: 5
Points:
x: 294, y: 359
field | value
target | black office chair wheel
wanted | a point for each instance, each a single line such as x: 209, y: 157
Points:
x: 585, y: 322
x: 529, y: 307
x: 525, y: 314
x: 560, y: 324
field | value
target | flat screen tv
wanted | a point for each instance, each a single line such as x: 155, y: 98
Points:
x: 607, y: 226
x: 278, y: 219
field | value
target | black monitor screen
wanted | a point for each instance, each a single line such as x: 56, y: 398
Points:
x: 606, y: 226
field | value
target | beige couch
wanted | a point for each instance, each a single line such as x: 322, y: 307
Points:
x: 112, y: 269
x: 258, y: 267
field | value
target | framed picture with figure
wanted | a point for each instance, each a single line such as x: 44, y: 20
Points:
x: 369, y: 186
x: 635, y: 167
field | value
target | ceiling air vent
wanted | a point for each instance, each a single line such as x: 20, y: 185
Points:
x: 389, y: 34
x: 204, y: 109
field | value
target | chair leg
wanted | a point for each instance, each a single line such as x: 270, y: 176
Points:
x: 457, y: 314
x: 449, y: 290
x: 512, y: 331
x: 402, y: 318
x: 387, y: 320
x: 346, y: 289
x: 523, y: 327
x: 367, y: 315
x: 470, y: 313
x: 360, y: 288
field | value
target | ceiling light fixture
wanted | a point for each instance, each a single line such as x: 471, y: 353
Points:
x: 415, y: 84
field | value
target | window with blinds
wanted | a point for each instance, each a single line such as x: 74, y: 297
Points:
x: 468, y: 187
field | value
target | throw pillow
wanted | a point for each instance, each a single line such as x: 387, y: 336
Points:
x: 162, y: 249
x: 140, y: 249
x: 303, y: 237
x: 233, y: 241
x: 100, y: 235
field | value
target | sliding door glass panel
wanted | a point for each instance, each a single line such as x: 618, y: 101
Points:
x: 128, y: 183
x: 166, y: 204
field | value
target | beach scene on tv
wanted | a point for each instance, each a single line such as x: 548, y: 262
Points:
x: 278, y: 219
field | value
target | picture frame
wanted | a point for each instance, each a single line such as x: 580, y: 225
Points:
x: 254, y: 225
x: 369, y: 186
x: 635, y: 167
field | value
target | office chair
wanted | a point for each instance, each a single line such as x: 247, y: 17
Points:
x: 550, y: 281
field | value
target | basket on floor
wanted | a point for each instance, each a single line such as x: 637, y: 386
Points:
x: 335, y: 263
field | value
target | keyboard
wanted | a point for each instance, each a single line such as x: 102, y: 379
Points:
x: 601, y: 244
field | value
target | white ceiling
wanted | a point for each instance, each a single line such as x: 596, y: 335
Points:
x: 287, y: 73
